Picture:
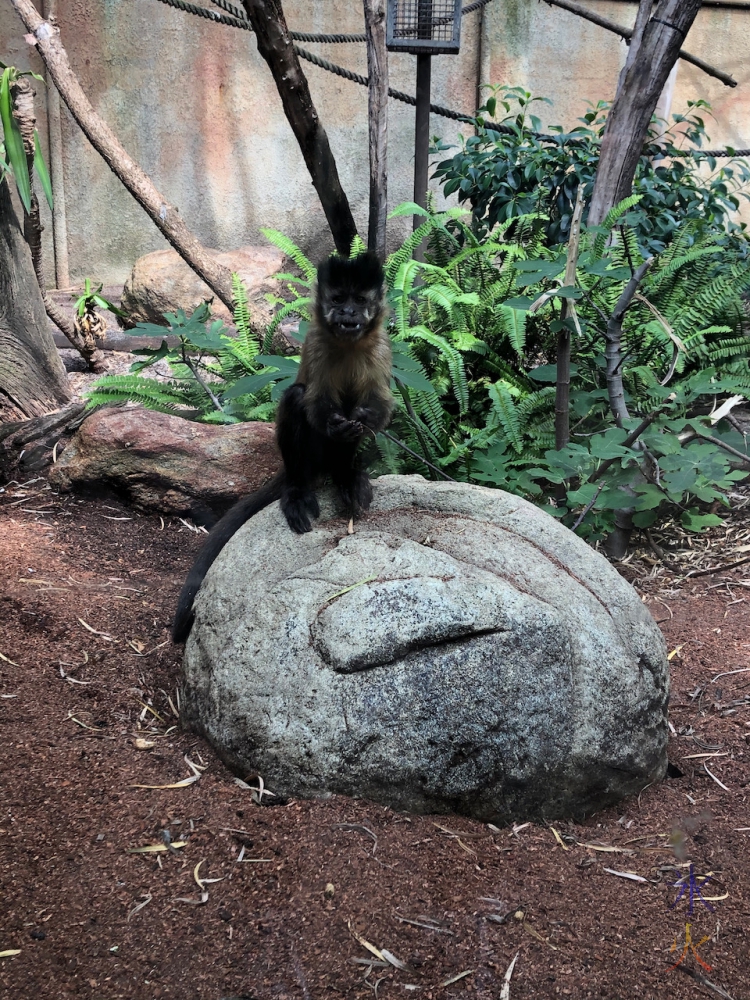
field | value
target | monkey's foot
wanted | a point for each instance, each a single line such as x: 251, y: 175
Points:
x: 299, y: 507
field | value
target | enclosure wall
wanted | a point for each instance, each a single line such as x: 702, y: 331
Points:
x: 196, y: 105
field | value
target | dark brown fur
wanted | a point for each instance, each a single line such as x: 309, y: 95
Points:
x: 342, y: 391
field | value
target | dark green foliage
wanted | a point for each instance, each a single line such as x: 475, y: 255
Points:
x: 12, y: 153
x: 474, y: 333
x: 91, y: 299
x: 505, y: 175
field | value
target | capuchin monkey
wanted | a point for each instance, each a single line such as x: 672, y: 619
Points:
x: 342, y: 391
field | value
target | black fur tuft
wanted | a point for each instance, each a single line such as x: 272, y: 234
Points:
x: 361, y: 273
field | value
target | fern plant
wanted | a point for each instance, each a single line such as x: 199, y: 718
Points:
x: 204, y: 365
x: 474, y: 333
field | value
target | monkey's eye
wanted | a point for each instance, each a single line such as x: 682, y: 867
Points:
x: 360, y: 300
x: 337, y: 298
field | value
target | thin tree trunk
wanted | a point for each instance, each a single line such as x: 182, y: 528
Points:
x: 32, y: 377
x: 377, y: 69
x: 277, y: 48
x: 613, y: 350
x: 59, y: 218
x: 102, y: 138
x: 641, y: 83
x: 616, y: 544
x: 562, y: 387
x: 23, y: 112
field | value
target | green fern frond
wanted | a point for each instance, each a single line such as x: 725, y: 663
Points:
x: 405, y: 252
x: 291, y: 249
x: 242, y: 316
x: 165, y: 397
x: 358, y: 247
x: 507, y: 414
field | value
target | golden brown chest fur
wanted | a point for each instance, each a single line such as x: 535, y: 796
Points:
x: 345, y: 372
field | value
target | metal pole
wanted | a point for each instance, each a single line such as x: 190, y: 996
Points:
x: 422, y: 132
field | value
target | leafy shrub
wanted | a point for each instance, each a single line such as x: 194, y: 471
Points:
x: 511, y: 173
x: 474, y: 332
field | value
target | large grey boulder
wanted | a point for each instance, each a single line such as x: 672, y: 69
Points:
x: 461, y: 651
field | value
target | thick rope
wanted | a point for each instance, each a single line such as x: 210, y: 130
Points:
x: 298, y: 36
x: 347, y: 74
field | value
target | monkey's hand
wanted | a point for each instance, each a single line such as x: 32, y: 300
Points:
x: 367, y: 416
x: 341, y: 429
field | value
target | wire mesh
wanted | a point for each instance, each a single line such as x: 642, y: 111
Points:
x: 424, y: 25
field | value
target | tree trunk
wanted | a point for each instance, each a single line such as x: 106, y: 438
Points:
x: 32, y: 377
x: 23, y: 111
x: 377, y: 67
x: 568, y: 312
x: 164, y: 216
x: 277, y: 48
x: 641, y: 82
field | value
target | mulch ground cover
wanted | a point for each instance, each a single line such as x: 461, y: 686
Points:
x: 236, y: 896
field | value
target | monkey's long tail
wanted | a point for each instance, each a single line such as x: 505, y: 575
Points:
x: 217, y: 539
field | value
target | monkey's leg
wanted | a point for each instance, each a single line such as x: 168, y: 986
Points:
x: 300, y: 451
x: 351, y: 481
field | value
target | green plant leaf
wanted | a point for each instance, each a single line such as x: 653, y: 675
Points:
x: 693, y: 520
x: 14, y: 150
x: 41, y: 169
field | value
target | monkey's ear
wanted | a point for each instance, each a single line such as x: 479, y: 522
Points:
x: 362, y: 273
x: 369, y: 269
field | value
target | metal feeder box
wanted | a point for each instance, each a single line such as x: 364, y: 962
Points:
x: 424, y: 27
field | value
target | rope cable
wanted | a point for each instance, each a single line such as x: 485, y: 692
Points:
x: 298, y: 36
x: 347, y: 74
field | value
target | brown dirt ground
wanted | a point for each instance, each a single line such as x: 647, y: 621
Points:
x: 88, y: 706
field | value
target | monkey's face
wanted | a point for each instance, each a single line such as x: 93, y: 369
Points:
x: 349, y: 313
x: 350, y: 295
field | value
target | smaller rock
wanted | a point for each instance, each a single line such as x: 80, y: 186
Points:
x: 165, y: 463
x: 162, y: 282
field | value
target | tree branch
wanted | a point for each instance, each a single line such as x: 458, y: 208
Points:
x: 562, y: 383
x: 106, y: 143
x: 613, y: 350
x: 377, y: 69
x: 277, y: 48
x: 627, y: 33
x: 638, y: 91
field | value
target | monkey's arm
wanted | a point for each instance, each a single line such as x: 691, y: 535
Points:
x: 327, y: 417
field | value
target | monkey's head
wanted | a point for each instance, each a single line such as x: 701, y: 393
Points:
x: 350, y: 295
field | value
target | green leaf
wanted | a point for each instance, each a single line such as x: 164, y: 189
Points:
x: 649, y: 497
x: 413, y: 379
x: 616, y: 499
x: 583, y: 495
x: 692, y: 520
x: 609, y: 444
x: 548, y: 373
x: 151, y: 356
x: 644, y: 518
x: 519, y: 302
x: 13, y: 142
x: 41, y: 169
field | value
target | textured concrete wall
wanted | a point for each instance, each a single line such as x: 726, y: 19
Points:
x: 195, y: 104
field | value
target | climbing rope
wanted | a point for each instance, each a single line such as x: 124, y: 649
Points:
x: 238, y: 20
x: 298, y: 36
